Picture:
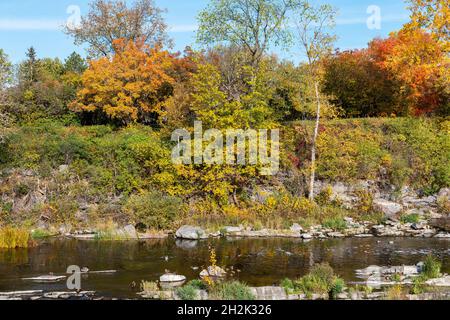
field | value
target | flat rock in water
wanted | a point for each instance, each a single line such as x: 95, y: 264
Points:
x: 21, y: 293
x: 46, y: 279
x: 439, y: 282
x: 172, y: 278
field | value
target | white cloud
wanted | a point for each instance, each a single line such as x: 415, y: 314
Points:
x: 30, y: 24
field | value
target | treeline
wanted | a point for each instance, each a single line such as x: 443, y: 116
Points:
x: 130, y: 76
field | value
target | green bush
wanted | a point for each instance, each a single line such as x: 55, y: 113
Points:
x: 321, y: 280
x: 231, y: 291
x: 410, y: 218
x: 288, y: 285
x: 337, y: 288
x: 188, y: 292
x: 154, y: 209
x: 199, y: 284
x: 432, y: 267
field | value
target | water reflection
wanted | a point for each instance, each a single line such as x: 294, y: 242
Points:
x: 260, y: 261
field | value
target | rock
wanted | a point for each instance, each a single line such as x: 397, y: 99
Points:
x: 269, y: 293
x: 172, y: 278
x: 46, y: 279
x: 441, y: 223
x: 169, y: 281
x: 296, y: 228
x: 229, y: 229
x: 213, y: 272
x: 63, y: 168
x: 444, y: 193
x: 130, y: 232
x: 418, y: 226
x: 191, y: 233
x: 439, y: 282
x: 306, y: 236
x: 84, y: 236
x: 443, y: 235
x: 336, y: 235
x: 389, y: 208
x: 21, y: 293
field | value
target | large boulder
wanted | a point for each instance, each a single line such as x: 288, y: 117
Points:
x: 191, y: 233
x: 441, y: 223
x: 389, y: 208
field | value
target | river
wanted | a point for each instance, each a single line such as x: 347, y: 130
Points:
x: 258, y: 262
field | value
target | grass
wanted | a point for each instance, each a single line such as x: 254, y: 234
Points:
x: 233, y: 290
x: 431, y: 267
x: 335, y: 223
x: 410, y: 218
x: 396, y: 292
x: 321, y: 280
x: 40, y: 234
x: 12, y: 238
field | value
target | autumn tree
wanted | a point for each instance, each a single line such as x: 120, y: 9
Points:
x: 432, y: 15
x: 130, y: 86
x: 109, y: 20
x: 360, y: 85
x: 313, y: 23
x: 420, y: 64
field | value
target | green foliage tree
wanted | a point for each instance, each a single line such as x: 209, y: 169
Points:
x: 253, y: 25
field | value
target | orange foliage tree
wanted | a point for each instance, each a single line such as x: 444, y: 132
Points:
x: 420, y: 63
x: 128, y: 87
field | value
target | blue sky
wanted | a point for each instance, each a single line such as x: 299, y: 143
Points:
x: 25, y: 23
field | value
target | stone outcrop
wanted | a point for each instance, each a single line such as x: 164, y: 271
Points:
x: 191, y: 233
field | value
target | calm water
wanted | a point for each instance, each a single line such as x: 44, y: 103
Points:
x: 261, y: 261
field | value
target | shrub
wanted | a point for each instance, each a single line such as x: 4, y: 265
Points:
x: 335, y: 223
x: 231, y: 291
x: 188, y: 292
x: 198, y: 284
x: 288, y: 285
x: 320, y: 280
x: 337, y: 288
x: 324, y: 196
x: 431, y: 268
x: 418, y: 285
x: 365, y: 201
x: 395, y: 292
x: 153, y: 209
x: 410, y: 218
x: 150, y: 288
x: 11, y: 238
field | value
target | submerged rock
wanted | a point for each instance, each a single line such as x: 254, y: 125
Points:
x: 191, y: 233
